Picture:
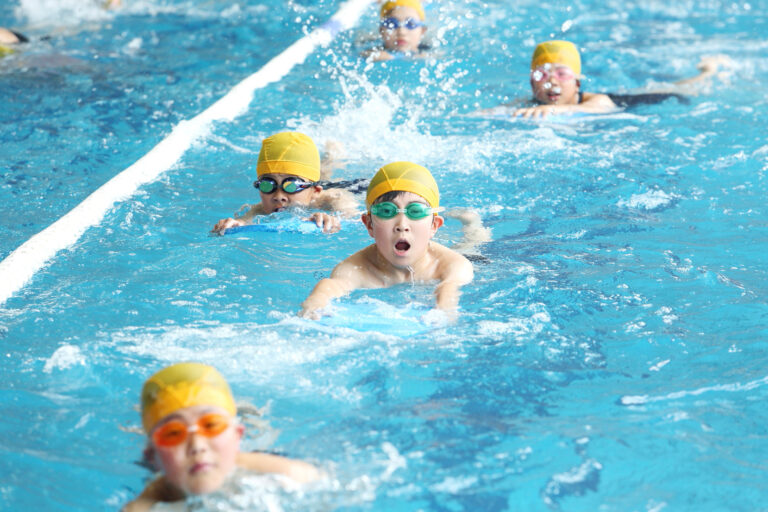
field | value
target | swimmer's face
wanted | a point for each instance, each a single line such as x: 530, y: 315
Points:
x: 400, y: 240
x: 199, y: 464
x: 279, y: 199
x: 555, y: 84
x: 402, y: 39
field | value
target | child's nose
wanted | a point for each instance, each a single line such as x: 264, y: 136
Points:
x: 401, y: 224
x: 196, y: 443
x: 280, y: 197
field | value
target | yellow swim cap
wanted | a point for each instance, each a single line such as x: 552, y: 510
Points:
x: 405, y: 177
x: 557, y: 52
x: 413, y: 4
x: 183, y: 385
x: 289, y: 153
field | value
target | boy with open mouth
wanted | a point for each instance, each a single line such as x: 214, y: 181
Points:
x: 402, y: 217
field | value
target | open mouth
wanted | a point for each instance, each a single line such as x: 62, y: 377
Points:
x: 402, y: 246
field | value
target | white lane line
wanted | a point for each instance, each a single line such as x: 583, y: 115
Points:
x: 24, y: 262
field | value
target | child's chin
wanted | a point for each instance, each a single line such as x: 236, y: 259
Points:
x: 205, y: 485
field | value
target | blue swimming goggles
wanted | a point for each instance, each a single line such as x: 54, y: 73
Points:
x: 290, y: 185
x: 394, y: 23
x: 414, y: 211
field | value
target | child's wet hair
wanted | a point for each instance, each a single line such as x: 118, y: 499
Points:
x: 392, y: 195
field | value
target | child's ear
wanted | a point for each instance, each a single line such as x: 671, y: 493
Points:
x: 240, y: 430
x: 578, y: 84
x: 437, y: 223
x: 367, y: 222
x: 150, y: 458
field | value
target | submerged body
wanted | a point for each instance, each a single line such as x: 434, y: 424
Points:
x: 556, y: 85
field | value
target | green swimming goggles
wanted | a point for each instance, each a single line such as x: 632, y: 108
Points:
x: 414, y: 211
x: 290, y: 185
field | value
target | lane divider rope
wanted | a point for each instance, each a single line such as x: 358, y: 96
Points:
x: 25, y: 261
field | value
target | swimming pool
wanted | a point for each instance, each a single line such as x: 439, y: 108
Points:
x: 610, y: 354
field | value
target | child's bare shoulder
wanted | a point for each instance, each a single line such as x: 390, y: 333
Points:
x: 353, y: 265
x: 451, y: 264
x: 337, y: 199
x: 361, y: 269
x: 597, y: 100
x: 334, y: 194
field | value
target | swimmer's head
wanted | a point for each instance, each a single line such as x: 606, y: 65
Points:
x: 402, y: 25
x: 183, y: 385
x: 403, y: 177
x: 289, y: 153
x: 190, y: 417
x: 402, y: 205
x: 557, y: 52
x: 555, y: 72
x: 288, y: 171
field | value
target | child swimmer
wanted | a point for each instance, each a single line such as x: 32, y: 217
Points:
x: 189, y: 415
x: 288, y: 171
x: 556, y: 86
x: 402, y: 29
x: 402, y: 217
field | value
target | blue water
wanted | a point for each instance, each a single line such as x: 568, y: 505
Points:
x: 610, y: 354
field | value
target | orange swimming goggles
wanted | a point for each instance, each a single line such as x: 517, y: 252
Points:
x: 175, y: 432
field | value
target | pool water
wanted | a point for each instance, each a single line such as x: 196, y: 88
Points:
x: 609, y: 355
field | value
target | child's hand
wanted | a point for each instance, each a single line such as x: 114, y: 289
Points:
x: 329, y: 223
x: 309, y: 313
x: 539, y: 111
x: 375, y: 55
x: 225, y: 224
x: 711, y: 64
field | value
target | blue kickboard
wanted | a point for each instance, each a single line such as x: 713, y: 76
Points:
x: 371, y: 315
x: 291, y: 224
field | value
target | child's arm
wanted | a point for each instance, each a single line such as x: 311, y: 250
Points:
x: 457, y: 271
x: 297, y: 470
x: 347, y: 276
x: 334, y: 200
x: 339, y: 200
x: 376, y: 55
x: 472, y: 228
x: 324, y: 291
x: 246, y: 218
x: 591, y: 104
x: 707, y: 67
x: 333, y: 158
x: 159, y: 490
